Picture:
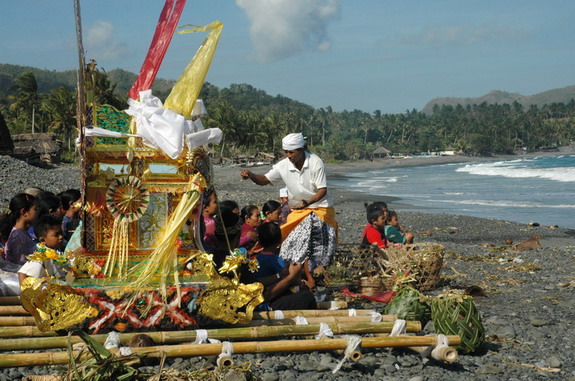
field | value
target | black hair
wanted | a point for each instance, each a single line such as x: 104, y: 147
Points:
x: 376, y: 204
x: 270, y: 206
x: 247, y: 211
x: 68, y: 197
x: 269, y: 234
x: 48, y: 203
x: 45, y: 223
x: 20, y: 202
x: 373, y: 214
x: 206, y: 196
x: 228, y: 205
x: 390, y: 214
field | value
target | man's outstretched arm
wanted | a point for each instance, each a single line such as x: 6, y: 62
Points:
x: 258, y: 179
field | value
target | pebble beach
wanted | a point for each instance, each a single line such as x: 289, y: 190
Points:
x: 528, y: 310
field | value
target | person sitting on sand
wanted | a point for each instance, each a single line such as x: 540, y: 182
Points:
x: 392, y: 230
x: 284, y: 288
x: 374, y: 230
x: 251, y: 217
x: 21, y: 215
x: 284, y: 200
x: 44, y: 261
x: 70, y: 221
x: 210, y: 206
x: 368, y: 209
x: 229, y: 205
x: 271, y: 211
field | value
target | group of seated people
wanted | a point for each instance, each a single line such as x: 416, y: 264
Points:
x: 35, y: 220
x: 383, y: 227
x: 226, y: 227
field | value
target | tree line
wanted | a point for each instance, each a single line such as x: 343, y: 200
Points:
x: 253, y: 121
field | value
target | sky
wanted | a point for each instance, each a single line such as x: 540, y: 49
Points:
x: 348, y: 54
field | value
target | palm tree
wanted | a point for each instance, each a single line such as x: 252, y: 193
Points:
x: 60, y: 106
x: 26, y: 97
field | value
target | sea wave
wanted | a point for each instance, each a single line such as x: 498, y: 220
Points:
x: 510, y: 169
x: 505, y: 204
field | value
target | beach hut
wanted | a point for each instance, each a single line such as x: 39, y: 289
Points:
x: 382, y: 152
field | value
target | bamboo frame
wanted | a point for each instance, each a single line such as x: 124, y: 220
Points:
x: 227, y: 334
x: 190, y: 350
x: 10, y: 301
x: 317, y: 320
x: 270, y: 315
x: 16, y: 321
x: 24, y: 331
x: 13, y: 310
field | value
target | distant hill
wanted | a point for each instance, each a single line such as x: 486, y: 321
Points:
x: 50, y: 79
x: 561, y: 95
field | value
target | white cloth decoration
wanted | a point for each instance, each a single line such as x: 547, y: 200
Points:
x: 301, y: 320
x: 398, y: 328
x: 159, y: 127
x: 442, y: 342
x: 99, y: 131
x: 324, y: 331
x: 201, y: 336
x: 279, y: 315
x: 227, y: 350
x: 199, y: 110
x: 293, y: 141
x: 125, y: 351
x: 283, y: 192
x: 352, y: 312
x: 112, y: 340
x: 375, y: 317
x: 197, y: 139
x: 353, y: 341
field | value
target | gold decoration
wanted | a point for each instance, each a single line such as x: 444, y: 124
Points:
x: 127, y: 198
x: 53, y: 305
x: 224, y: 296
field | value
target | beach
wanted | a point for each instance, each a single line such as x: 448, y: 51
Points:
x: 528, y: 311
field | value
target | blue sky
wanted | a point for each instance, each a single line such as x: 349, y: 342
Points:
x: 350, y: 54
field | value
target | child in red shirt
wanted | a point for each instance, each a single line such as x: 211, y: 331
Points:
x: 373, y: 232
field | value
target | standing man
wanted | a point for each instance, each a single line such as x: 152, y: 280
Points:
x: 310, y: 230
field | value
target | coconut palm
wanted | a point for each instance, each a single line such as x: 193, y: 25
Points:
x: 26, y: 96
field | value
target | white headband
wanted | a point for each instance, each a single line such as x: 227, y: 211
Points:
x: 293, y: 141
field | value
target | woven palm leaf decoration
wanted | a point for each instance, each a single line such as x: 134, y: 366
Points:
x: 458, y: 315
x: 409, y: 304
x: 127, y: 198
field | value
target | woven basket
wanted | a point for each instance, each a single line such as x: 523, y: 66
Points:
x: 423, y: 262
x: 458, y: 315
x: 352, y: 262
x: 409, y: 304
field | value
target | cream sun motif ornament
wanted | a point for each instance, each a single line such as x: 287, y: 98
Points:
x: 127, y: 198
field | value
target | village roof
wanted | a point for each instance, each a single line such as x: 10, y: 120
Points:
x: 381, y: 150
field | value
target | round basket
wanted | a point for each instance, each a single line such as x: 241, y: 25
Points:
x: 127, y: 198
x: 409, y: 304
x: 458, y: 315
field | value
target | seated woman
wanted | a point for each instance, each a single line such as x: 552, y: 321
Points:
x: 250, y: 215
x: 284, y: 288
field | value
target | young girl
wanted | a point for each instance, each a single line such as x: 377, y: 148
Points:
x: 392, y: 231
x: 373, y: 232
x: 22, y: 213
x: 271, y: 211
x: 251, y: 216
x: 70, y: 221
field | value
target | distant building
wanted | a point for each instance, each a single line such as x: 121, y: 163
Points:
x: 381, y: 152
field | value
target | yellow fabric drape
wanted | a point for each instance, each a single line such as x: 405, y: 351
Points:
x: 185, y: 92
x: 296, y: 216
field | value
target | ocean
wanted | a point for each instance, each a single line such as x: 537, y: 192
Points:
x: 536, y: 189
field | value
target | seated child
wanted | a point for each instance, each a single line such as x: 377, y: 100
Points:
x: 42, y: 263
x: 392, y: 230
x: 70, y: 221
x: 279, y: 277
x: 374, y: 229
x: 369, y: 208
x: 285, y: 208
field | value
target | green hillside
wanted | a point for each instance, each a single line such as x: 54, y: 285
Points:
x: 561, y: 95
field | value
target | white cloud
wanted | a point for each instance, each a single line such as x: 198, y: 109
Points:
x: 100, y: 43
x: 438, y: 36
x: 282, y: 28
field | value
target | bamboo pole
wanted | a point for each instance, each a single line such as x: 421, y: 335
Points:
x: 447, y: 354
x: 317, y: 320
x: 16, y: 321
x: 10, y: 300
x: 270, y: 315
x: 227, y: 334
x: 190, y: 350
x: 24, y: 331
x: 13, y: 310
x: 332, y: 305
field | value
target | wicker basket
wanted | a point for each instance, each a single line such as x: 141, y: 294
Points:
x: 418, y: 265
x: 352, y: 262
